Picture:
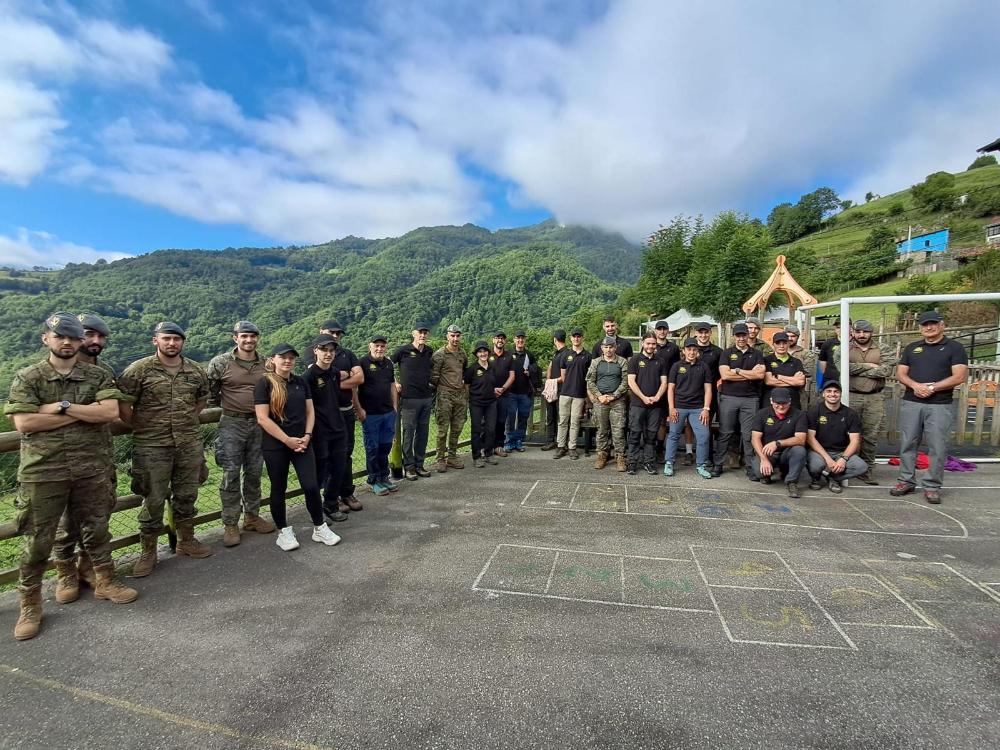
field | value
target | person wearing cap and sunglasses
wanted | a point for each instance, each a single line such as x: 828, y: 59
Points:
x: 379, y: 399
x: 284, y: 407
x: 930, y: 369
x: 60, y: 407
x: 232, y: 376
x: 778, y: 436
x: 834, y: 441
x: 448, y: 366
x: 481, y: 383
x: 871, y: 363
x: 165, y: 394
x: 573, y: 399
x: 741, y: 371
x: 415, y: 362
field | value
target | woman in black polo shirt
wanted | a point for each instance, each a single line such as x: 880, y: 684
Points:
x: 481, y: 381
x: 284, y: 408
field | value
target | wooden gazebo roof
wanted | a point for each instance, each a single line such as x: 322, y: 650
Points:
x: 780, y: 280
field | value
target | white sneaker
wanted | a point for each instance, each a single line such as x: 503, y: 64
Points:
x: 323, y: 534
x: 286, y: 539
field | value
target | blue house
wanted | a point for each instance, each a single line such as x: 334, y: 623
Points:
x: 932, y: 242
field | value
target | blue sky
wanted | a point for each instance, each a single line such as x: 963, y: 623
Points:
x: 138, y: 125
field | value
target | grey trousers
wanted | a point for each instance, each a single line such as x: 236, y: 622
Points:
x: 856, y: 465
x: 788, y: 461
x: 735, y: 413
x: 932, y: 423
x: 415, y: 416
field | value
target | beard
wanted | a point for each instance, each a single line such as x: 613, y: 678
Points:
x: 61, y: 354
x: 92, y: 350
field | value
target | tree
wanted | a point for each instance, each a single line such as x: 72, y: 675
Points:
x: 984, y: 202
x: 787, y: 222
x: 846, y: 204
x: 896, y: 208
x: 986, y: 160
x: 936, y: 193
x: 918, y: 285
x: 869, y: 196
x: 665, y: 263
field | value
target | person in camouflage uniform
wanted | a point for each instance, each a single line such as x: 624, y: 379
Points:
x: 607, y: 384
x: 808, y: 359
x: 870, y: 364
x: 60, y: 407
x: 231, y: 380
x: 451, y: 398
x: 164, y: 395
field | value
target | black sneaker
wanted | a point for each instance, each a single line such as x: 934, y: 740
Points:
x: 650, y: 469
x: 335, y: 517
x: 632, y: 470
x: 549, y: 447
x: 836, y: 487
x: 716, y: 472
x: 560, y: 452
x: 815, y: 484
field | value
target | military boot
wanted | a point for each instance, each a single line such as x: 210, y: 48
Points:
x: 231, y: 535
x: 67, y: 583
x: 257, y: 524
x: 601, y: 461
x: 147, y: 559
x: 85, y: 570
x: 187, y: 544
x: 30, y: 621
x: 454, y: 462
x: 110, y: 588
x: 620, y: 462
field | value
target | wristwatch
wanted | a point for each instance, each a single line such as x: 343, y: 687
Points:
x: 63, y: 406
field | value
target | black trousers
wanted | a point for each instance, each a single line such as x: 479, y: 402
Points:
x: 330, y: 467
x: 277, y: 461
x: 484, y: 421
x: 643, y: 423
x: 347, y: 475
x: 551, y: 419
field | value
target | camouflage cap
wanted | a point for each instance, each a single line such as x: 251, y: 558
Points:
x: 793, y: 329
x: 166, y: 326
x: 245, y: 326
x: 453, y: 329
x: 94, y: 323
x: 755, y: 320
x: 863, y: 325
x: 609, y: 341
x: 65, y: 324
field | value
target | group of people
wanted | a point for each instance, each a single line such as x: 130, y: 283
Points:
x: 272, y: 417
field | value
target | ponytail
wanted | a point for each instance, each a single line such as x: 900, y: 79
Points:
x: 279, y: 390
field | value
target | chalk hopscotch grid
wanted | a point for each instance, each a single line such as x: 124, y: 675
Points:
x: 627, y: 511
x: 916, y: 612
x: 983, y: 588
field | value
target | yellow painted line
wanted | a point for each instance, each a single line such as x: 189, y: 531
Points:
x: 155, y: 713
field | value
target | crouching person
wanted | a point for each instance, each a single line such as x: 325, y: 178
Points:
x: 778, y: 438
x: 834, y: 441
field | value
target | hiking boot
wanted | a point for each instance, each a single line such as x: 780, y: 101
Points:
x: 716, y: 471
x: 732, y: 461
x: 30, y: 620
x: 490, y: 460
x: 67, y: 581
x: 187, y: 545
x: 110, y: 588
x: 422, y: 472
x: 868, y: 479
x: 601, y: 461
x: 257, y: 524
x: 703, y: 472
x: 689, y: 459
x: 410, y: 474
x: 231, y: 535
x: 550, y: 446
x: 835, y: 486
x: 560, y: 452
x: 353, y: 503
x: 573, y: 455
x: 147, y: 558
x: 501, y: 451
x: 793, y: 490
x: 343, y: 507
x: 441, y: 466
x: 815, y: 484
x: 323, y: 535
x: 336, y: 516
x: 932, y: 496
x: 668, y: 469
x: 479, y: 463
x: 454, y: 462
x: 286, y: 539
x: 85, y: 571
x: 620, y: 463
x: 901, y: 488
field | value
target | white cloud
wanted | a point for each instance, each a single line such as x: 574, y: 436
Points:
x: 28, y: 124
x: 29, y: 248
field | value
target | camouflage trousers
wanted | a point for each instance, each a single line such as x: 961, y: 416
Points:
x: 450, y: 409
x: 40, y: 505
x: 871, y: 410
x: 610, y: 420
x: 68, y: 534
x: 238, y: 452
x: 167, y: 473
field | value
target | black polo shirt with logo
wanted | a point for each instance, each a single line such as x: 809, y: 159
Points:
x: 324, y: 384
x: 344, y: 360
x: 375, y: 393
x: 774, y: 427
x: 826, y: 355
x: 734, y: 359
x: 834, y: 428
x: 414, y: 370
x: 647, y: 371
x: 576, y: 365
x: 623, y: 347
x: 791, y: 366
x: 481, y: 381
x: 293, y: 422
x: 689, y: 384
x: 519, y: 361
x: 668, y: 353
x: 930, y: 363
x: 501, y: 366
x: 710, y: 356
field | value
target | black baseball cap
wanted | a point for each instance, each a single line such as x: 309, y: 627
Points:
x: 576, y: 332
x: 480, y: 345
x: 167, y: 327
x: 378, y: 337
x: 779, y: 336
x: 831, y: 384
x: 65, y: 324
x: 781, y: 396
x: 701, y: 326
x: 690, y: 341
x: 324, y: 339
x: 245, y: 326
x: 283, y: 348
x: 421, y: 326
x: 332, y: 325
x: 92, y: 322
x: 662, y: 324
x: 931, y: 316
x: 519, y: 333
x: 499, y: 335
x: 739, y: 328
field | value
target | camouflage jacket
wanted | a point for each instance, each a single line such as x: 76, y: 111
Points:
x: 869, y: 368
x: 592, y: 377
x: 231, y: 381
x: 163, y: 405
x: 448, y: 369
x: 77, y: 450
x: 807, y: 357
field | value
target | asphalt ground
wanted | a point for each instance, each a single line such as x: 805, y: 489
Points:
x: 543, y: 604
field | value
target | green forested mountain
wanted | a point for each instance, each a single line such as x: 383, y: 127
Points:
x: 534, y: 276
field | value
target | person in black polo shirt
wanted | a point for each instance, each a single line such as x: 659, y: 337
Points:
x: 778, y: 438
x: 416, y: 400
x: 329, y: 438
x: 930, y: 370
x: 834, y: 441
x: 689, y: 403
x: 552, y: 373
x: 668, y: 353
x: 521, y: 395
x: 379, y: 401
x: 502, y: 364
x: 573, y: 373
x: 782, y: 370
x: 481, y: 380
x: 347, y: 364
x: 709, y: 354
x: 623, y: 347
x: 741, y: 370
x: 647, y: 382
x: 826, y: 361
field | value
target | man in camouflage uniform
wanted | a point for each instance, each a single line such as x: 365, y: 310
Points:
x: 60, y: 406
x: 451, y: 401
x: 95, y: 340
x: 164, y: 394
x: 756, y: 326
x: 607, y: 384
x: 870, y: 364
x: 231, y: 380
